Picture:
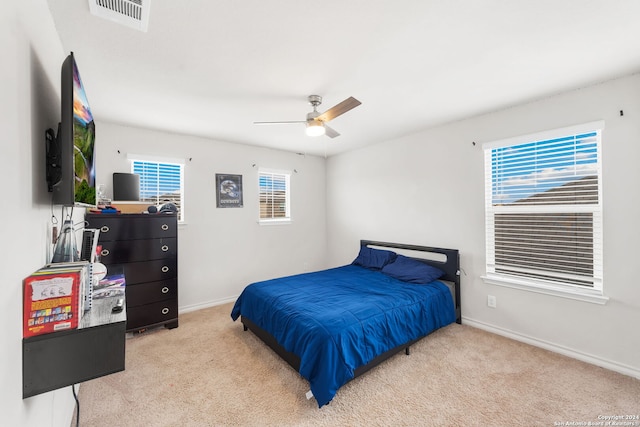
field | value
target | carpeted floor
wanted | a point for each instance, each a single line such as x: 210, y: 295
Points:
x: 208, y: 372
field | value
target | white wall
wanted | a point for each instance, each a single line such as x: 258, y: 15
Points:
x: 428, y: 189
x: 30, y: 103
x: 223, y: 250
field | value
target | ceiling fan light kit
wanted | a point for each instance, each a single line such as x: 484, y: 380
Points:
x: 315, y: 123
x: 315, y: 128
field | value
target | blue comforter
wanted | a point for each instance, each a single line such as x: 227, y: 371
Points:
x: 339, y: 319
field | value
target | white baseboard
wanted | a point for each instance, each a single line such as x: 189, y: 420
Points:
x: 588, y: 358
x: 207, y: 304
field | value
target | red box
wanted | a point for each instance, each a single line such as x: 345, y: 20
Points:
x: 51, y: 302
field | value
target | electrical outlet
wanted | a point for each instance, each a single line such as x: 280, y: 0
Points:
x: 491, y: 301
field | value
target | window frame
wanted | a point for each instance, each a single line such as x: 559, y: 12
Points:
x: 133, y: 159
x: 595, y: 293
x: 287, y: 197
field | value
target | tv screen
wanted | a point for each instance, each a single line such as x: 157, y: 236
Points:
x: 76, y: 140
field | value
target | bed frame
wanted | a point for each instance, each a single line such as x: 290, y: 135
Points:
x: 451, y: 267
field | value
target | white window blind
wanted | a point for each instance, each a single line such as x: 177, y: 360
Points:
x: 161, y: 182
x: 544, y: 209
x: 274, y: 196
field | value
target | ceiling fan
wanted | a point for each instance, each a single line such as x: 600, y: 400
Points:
x: 316, y: 121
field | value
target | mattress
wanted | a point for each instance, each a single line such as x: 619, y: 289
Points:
x: 339, y: 319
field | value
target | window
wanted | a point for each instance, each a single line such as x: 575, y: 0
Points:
x: 543, y: 205
x: 161, y: 182
x: 274, y: 196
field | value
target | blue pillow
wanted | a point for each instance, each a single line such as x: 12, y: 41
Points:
x: 373, y: 258
x: 412, y: 271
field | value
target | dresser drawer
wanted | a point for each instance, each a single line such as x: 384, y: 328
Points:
x: 150, y: 271
x: 132, y: 227
x: 147, y: 293
x: 119, y: 251
x: 152, y: 314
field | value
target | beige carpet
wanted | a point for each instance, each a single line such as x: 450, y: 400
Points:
x: 208, y: 372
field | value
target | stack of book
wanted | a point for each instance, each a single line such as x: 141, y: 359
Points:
x: 54, y: 297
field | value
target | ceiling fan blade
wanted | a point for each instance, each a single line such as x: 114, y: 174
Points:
x: 339, y: 109
x: 280, y: 123
x: 330, y: 132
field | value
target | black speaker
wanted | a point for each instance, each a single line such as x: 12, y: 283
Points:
x: 126, y: 187
x: 89, y: 244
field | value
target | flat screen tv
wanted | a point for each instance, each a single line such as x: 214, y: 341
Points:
x: 71, y: 160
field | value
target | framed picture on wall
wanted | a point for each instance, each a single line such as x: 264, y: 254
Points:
x: 228, y: 191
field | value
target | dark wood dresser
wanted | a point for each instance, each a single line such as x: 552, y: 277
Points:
x: 146, y: 247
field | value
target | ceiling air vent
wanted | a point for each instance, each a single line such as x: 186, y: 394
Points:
x: 132, y: 13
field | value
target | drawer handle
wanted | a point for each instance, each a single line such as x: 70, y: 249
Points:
x: 165, y: 227
x: 164, y: 268
x: 104, y: 229
x: 165, y: 290
x: 104, y: 252
x: 165, y: 248
x: 165, y: 310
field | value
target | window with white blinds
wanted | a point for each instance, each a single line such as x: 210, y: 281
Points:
x: 544, y: 209
x: 274, y: 196
x: 160, y: 183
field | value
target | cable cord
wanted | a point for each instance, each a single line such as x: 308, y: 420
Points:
x: 75, y: 396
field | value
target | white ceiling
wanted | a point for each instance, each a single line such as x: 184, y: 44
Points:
x: 212, y: 68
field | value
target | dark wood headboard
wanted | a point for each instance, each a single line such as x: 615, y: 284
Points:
x: 450, y: 266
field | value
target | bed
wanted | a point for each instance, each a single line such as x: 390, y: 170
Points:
x: 334, y: 325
